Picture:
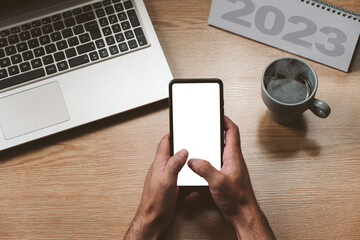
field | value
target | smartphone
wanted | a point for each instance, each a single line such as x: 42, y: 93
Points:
x: 197, y: 124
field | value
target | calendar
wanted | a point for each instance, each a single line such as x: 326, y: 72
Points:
x: 309, y: 28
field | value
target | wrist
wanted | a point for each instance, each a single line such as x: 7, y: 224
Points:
x: 143, y: 227
x: 252, y: 223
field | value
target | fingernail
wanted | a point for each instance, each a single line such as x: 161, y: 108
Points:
x: 191, y: 162
x: 183, y: 153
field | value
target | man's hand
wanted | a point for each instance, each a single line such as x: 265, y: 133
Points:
x: 158, y: 203
x: 231, y: 189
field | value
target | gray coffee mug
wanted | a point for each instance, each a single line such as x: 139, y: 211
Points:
x: 288, y: 88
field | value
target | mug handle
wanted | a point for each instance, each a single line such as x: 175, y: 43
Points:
x: 320, y: 108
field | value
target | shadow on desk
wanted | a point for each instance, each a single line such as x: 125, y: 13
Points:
x: 285, y: 142
x: 82, y: 130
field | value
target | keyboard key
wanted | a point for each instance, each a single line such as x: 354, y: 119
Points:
x: 97, y: 5
x: 36, y: 63
x: 61, y: 45
x: 88, y: 47
x: 107, y: 31
x: 86, y: 17
x: 44, y: 40
x: 133, y: 18
x: 26, y: 26
x: 73, y: 41
x: 106, y: 2
x: 5, y: 33
x: 67, y: 14
x: 140, y: 36
x: 80, y: 60
x: 71, y: 52
x: 132, y: 44
x: 115, y: 1
x: 87, y: 8
x: 129, y: 34
x: 3, y: 73
x: 2, y: 53
x: 94, y: 30
x: 103, y: 22
x: 69, y: 22
x: 28, y: 55
x: 15, y: 30
x: 119, y: 7
x: 47, y: 29
x: 116, y: 28
x: 36, y: 24
x: 25, y: 67
x: 22, y: 47
x: 77, y: 11
x: 100, y: 43
x: 94, y: 56
x: 3, y: 42
x: 78, y: 29
x: 122, y: 16
x: 5, y: 62
x: 67, y: 33
x: 39, y: 52
x: 113, y: 19
x: 46, y: 20
x: 33, y: 43
x: 59, y: 56
x: 50, y: 48
x: 125, y: 25
x: 109, y: 10
x: 48, y: 59
x: 56, y: 36
x: 13, y: 70
x: 10, y: 50
x: 128, y: 4
x: 16, y: 59
x: 36, y: 32
x: 51, y: 69
x: 100, y: 13
x: 110, y: 40
x: 62, y: 66
x: 84, y: 38
x: 123, y: 47
x: 113, y: 50
x: 56, y: 17
x: 120, y: 37
x: 59, y: 25
x: 25, y: 77
x: 103, y: 53
x: 25, y: 36
x: 13, y: 39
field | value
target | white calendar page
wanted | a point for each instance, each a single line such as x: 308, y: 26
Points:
x: 312, y: 30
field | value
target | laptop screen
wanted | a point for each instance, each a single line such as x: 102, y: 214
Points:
x: 12, y: 9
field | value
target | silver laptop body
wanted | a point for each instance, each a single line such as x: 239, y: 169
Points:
x: 38, y: 108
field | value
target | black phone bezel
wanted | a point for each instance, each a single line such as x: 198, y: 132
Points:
x: 222, y: 127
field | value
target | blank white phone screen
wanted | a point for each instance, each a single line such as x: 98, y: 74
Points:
x: 197, y: 126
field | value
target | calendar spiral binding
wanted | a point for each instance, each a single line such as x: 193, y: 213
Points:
x: 335, y: 9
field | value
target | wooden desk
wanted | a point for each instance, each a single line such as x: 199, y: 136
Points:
x: 86, y: 183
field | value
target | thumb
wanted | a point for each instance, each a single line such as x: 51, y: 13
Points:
x: 176, y: 163
x: 204, y: 169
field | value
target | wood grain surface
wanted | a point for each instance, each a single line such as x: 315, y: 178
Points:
x: 86, y: 183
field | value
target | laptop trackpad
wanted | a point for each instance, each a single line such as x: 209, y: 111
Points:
x: 32, y: 110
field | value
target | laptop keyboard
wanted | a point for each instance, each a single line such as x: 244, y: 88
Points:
x: 72, y: 39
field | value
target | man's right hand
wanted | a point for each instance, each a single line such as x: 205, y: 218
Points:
x: 231, y: 189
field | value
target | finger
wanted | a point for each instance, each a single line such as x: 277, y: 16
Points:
x: 232, y: 135
x: 163, y: 151
x: 176, y: 163
x: 205, y: 170
x: 192, y: 197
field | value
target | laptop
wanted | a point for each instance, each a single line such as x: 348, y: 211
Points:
x: 67, y: 63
